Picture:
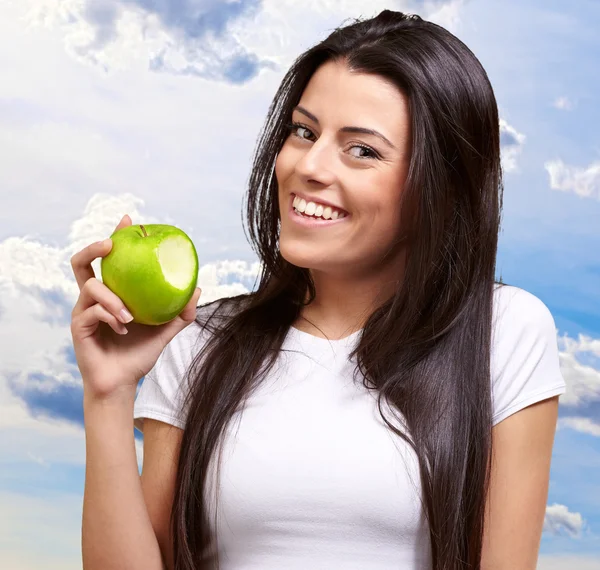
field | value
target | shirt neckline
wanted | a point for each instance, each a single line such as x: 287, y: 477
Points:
x: 318, y: 340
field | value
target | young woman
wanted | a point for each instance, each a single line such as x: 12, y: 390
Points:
x: 379, y: 401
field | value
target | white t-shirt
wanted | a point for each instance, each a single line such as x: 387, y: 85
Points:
x: 311, y: 476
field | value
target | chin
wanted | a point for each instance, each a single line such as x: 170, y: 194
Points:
x: 304, y: 256
x: 295, y: 256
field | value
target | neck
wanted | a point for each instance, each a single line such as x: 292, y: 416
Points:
x: 343, y: 303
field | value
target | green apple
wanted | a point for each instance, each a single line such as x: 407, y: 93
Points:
x: 153, y: 269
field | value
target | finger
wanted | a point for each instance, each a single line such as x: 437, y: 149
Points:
x: 188, y: 314
x: 125, y: 221
x: 87, y: 322
x: 94, y: 292
x: 81, y: 262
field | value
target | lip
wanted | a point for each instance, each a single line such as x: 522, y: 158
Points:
x: 312, y: 223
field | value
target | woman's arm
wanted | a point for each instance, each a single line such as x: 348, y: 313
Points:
x: 117, y: 522
x: 516, y: 506
x: 162, y: 443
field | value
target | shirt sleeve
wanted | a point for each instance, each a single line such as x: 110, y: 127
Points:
x: 525, y: 365
x: 160, y: 396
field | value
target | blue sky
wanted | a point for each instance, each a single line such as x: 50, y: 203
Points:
x: 153, y: 108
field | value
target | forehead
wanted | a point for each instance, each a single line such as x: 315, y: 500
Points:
x: 340, y: 97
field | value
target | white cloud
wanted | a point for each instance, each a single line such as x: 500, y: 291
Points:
x: 559, y: 520
x: 583, y: 343
x: 563, y: 103
x: 188, y: 37
x: 583, y: 425
x: 584, y: 182
x: 443, y: 13
x: 580, y: 404
x: 512, y: 142
x: 583, y: 380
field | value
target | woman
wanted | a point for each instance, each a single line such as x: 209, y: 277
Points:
x: 379, y: 401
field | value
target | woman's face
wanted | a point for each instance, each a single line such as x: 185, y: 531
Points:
x: 360, y: 173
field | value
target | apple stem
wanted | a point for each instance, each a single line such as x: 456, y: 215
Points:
x: 144, y: 230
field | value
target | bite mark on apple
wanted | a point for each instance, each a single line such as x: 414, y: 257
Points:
x: 177, y: 260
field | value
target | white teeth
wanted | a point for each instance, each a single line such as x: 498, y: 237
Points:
x: 316, y: 210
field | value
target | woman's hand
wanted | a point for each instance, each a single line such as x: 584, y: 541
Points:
x: 111, y: 356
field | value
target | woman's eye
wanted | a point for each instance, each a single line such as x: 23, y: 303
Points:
x: 302, y: 132
x: 363, y: 152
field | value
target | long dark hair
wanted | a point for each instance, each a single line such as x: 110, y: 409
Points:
x: 426, y: 350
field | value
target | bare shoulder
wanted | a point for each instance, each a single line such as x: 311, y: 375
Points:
x: 162, y: 443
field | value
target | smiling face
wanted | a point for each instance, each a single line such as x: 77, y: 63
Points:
x: 360, y: 173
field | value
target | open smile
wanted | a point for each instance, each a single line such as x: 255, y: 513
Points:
x: 311, y: 221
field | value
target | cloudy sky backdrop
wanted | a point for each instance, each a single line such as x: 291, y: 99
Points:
x: 153, y: 108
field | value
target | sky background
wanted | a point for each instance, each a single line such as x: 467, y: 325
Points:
x: 153, y: 109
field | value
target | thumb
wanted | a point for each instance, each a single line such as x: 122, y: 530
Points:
x: 188, y: 313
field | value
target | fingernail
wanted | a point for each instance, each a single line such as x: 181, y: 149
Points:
x: 126, y: 316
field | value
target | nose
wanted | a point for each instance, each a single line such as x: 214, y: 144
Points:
x: 316, y: 164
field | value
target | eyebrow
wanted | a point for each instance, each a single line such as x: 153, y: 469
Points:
x: 359, y: 130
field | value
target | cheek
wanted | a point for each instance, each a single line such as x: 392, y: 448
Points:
x: 380, y: 217
x: 278, y: 165
x: 284, y: 165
